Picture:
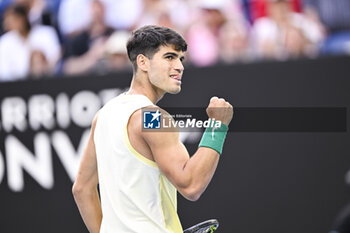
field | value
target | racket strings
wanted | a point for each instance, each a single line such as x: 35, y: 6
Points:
x: 209, y: 229
x: 208, y: 226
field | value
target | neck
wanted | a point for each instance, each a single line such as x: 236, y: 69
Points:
x: 140, y: 85
x: 97, y: 28
x: 23, y: 33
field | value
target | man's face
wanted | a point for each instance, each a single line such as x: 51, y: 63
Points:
x: 166, y: 69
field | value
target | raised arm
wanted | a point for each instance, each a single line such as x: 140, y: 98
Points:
x: 190, y: 175
x: 85, y: 187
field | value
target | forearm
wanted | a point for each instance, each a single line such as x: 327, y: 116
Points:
x: 77, y: 65
x: 200, y: 169
x: 89, y: 208
x: 201, y: 166
x: 190, y: 175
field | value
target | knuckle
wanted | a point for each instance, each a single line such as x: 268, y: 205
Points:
x: 214, y: 98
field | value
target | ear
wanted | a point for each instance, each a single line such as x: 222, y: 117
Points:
x: 142, y: 62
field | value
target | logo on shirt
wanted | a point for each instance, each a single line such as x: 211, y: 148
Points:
x: 152, y: 119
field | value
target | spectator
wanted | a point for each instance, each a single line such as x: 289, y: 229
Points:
x: 155, y: 12
x: 4, y: 4
x: 85, y: 50
x: 255, y: 9
x: 284, y: 34
x: 74, y: 15
x: 202, y: 36
x: 122, y: 14
x: 116, y: 57
x: 234, y: 43
x: 182, y: 17
x: 39, y: 66
x: 216, y: 31
x: 18, y: 42
x: 36, y: 9
x: 335, y: 15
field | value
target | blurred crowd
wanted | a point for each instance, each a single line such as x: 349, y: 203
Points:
x: 51, y: 38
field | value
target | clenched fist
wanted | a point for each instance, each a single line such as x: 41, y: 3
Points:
x: 220, y: 109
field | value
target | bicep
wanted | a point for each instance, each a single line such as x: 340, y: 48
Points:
x: 170, y: 155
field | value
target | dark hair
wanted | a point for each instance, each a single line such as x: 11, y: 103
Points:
x: 147, y: 40
x: 20, y: 11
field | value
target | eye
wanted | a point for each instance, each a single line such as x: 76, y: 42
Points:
x: 169, y: 57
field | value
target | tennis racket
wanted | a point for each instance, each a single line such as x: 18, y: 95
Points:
x: 208, y: 226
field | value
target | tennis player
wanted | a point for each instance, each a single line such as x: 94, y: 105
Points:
x: 139, y: 172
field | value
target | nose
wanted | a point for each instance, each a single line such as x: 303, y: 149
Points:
x: 179, y: 66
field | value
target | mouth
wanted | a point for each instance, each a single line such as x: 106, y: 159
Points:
x: 176, y: 77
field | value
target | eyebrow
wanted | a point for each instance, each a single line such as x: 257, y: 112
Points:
x: 173, y: 54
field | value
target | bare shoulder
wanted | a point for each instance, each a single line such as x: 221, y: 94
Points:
x: 137, y: 124
x: 139, y: 117
x: 166, y: 135
x: 134, y: 124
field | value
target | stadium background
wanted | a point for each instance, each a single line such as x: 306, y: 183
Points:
x: 266, y: 181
